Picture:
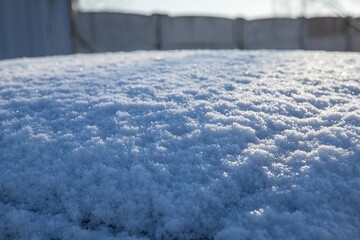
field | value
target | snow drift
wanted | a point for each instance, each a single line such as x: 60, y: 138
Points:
x: 181, y: 145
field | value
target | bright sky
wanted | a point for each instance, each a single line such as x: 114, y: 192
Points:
x: 228, y: 8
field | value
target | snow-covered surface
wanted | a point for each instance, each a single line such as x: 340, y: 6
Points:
x: 181, y: 145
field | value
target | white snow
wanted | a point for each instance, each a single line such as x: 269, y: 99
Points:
x: 181, y: 145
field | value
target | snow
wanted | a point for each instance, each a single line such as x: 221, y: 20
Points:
x: 181, y: 145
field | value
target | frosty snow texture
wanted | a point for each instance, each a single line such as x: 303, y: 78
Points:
x: 181, y: 145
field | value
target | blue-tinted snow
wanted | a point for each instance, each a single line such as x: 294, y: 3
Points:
x: 181, y: 145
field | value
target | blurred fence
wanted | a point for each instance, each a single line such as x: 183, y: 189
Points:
x: 34, y: 28
x: 47, y: 27
x: 123, y: 32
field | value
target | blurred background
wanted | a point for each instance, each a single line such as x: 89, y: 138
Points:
x: 51, y: 27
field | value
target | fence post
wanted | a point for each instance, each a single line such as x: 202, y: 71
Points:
x: 301, y: 35
x: 159, y: 31
x: 238, y: 31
